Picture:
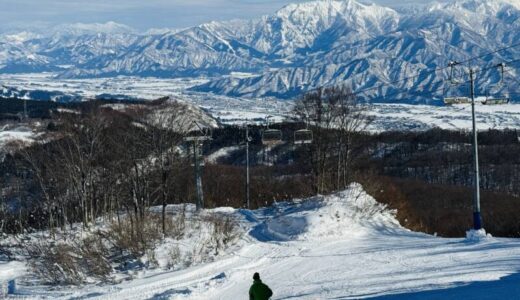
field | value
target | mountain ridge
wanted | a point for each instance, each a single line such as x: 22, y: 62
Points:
x: 299, y: 47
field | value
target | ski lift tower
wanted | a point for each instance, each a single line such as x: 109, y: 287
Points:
x: 248, y: 140
x: 197, y: 138
x: 477, y: 217
x: 25, y: 110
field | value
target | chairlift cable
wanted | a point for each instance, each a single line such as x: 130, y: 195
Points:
x: 424, y: 93
x: 512, y: 75
x: 437, y: 69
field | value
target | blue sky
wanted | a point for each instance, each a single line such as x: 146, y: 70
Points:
x: 140, y: 14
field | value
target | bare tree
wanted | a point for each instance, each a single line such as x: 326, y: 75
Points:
x: 80, y: 149
x: 166, y: 127
x: 335, y: 116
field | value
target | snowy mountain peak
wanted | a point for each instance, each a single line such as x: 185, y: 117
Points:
x: 302, y: 25
x: 299, y: 47
x: 20, y: 37
x: 329, y: 9
x: 78, y: 29
x: 480, y: 7
x: 308, y: 8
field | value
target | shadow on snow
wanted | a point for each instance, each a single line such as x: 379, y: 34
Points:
x: 508, y: 287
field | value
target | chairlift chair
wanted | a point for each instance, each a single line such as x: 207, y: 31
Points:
x: 495, y: 96
x: 453, y: 74
x: 197, y: 138
x: 456, y: 100
x: 453, y: 82
x: 271, y: 136
x: 303, y: 136
x: 496, y: 101
x: 199, y: 134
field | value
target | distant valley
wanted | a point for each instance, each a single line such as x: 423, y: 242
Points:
x: 388, y: 55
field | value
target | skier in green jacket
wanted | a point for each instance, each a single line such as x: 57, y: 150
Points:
x: 259, y: 290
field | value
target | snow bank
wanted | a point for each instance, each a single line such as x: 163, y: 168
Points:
x: 11, y: 270
x: 477, y: 235
x: 18, y: 134
x: 345, y: 214
x: 202, y: 237
x: 351, y: 213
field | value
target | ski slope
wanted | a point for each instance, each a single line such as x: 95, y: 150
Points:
x: 344, y: 246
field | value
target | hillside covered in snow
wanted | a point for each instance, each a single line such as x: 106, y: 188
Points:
x: 342, y: 246
x: 379, y: 50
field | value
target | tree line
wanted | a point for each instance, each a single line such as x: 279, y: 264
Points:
x: 98, y: 162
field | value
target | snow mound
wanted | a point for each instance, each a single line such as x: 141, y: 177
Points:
x: 350, y: 213
x: 477, y: 235
x: 11, y: 270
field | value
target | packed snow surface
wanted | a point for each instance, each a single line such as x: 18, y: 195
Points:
x: 343, y: 246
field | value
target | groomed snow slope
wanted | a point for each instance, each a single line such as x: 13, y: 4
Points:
x: 344, y: 246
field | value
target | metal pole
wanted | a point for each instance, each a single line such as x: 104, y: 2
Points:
x: 477, y: 219
x: 25, y: 109
x: 247, y: 168
x: 198, y: 179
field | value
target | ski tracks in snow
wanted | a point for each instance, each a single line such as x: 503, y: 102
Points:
x: 347, y: 257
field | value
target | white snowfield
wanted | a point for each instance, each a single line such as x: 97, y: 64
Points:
x: 236, y: 110
x: 8, y: 135
x: 16, y: 134
x: 343, y: 246
x: 423, y: 117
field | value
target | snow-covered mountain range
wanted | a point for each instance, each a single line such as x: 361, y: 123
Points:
x: 302, y: 46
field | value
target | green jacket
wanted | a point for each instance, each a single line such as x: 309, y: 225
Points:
x: 259, y: 291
